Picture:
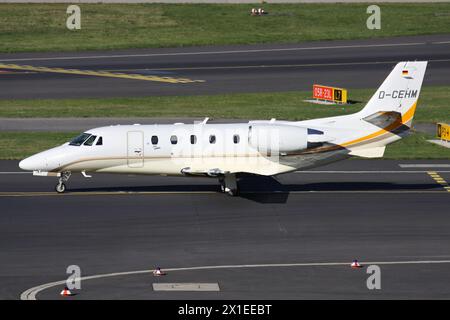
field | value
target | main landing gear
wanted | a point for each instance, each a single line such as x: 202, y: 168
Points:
x: 228, y: 184
x: 61, y: 187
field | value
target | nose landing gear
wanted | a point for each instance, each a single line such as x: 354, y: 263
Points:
x: 228, y: 184
x: 61, y: 187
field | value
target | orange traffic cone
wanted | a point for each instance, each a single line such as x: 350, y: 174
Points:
x: 158, y: 272
x: 66, y: 292
x: 355, y: 264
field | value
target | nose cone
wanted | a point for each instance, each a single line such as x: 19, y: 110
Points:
x: 32, y: 163
x: 47, y: 160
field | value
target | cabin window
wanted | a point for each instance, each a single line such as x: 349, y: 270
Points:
x: 78, y: 141
x: 173, y: 139
x: 90, y: 141
x: 99, y: 141
x: 212, y: 139
x: 193, y: 139
x: 154, y: 140
x: 236, y: 138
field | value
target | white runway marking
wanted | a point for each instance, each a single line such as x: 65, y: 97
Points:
x: 320, y: 171
x: 272, y: 66
x: 216, y: 52
x: 15, y: 172
x: 30, y: 294
x: 160, y: 193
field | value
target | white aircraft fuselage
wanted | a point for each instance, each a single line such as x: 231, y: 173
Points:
x: 226, y: 150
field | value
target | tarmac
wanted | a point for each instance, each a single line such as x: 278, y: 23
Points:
x: 286, y: 238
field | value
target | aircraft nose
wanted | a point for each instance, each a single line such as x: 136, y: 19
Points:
x: 30, y: 164
x: 25, y: 164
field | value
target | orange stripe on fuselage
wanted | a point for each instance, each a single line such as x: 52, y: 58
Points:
x: 405, y: 118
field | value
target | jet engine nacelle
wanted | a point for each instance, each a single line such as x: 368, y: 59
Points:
x: 267, y: 138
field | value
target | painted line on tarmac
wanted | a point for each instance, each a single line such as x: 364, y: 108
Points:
x: 100, y: 74
x: 441, y: 181
x: 30, y: 294
x: 356, y: 192
x: 150, y: 193
x: 275, y: 66
x: 424, y: 165
x: 14, y: 72
x: 307, y: 172
x: 217, y: 52
x: 16, y: 172
x: 97, y: 193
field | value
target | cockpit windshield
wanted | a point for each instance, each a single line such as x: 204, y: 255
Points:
x: 90, y: 141
x: 78, y: 141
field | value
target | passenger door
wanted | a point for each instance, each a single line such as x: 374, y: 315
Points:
x: 135, y: 153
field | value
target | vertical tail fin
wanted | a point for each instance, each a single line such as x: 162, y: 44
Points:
x: 399, y: 91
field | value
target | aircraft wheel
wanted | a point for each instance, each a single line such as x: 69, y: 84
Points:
x: 222, y: 184
x: 60, y: 188
x: 232, y: 192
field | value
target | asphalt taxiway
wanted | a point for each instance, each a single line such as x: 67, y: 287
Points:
x: 285, y: 238
x: 219, y: 69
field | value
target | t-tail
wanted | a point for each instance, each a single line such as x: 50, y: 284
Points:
x: 389, y: 112
x: 398, y: 94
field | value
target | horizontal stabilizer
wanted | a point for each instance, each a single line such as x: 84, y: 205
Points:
x: 384, y: 119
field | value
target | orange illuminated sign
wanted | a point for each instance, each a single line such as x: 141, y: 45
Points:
x: 329, y: 94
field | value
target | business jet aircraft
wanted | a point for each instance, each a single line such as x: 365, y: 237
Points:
x: 225, y: 151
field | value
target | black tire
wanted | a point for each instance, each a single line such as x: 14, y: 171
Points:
x: 60, y: 188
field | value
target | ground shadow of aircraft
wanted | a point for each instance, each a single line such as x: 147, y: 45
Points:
x: 268, y: 189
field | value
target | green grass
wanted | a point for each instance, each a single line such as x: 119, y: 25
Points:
x: 18, y: 145
x: 416, y: 146
x: 433, y: 106
x: 42, y: 27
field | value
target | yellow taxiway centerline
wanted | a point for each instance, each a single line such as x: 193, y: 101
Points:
x: 99, y: 73
x: 438, y: 179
